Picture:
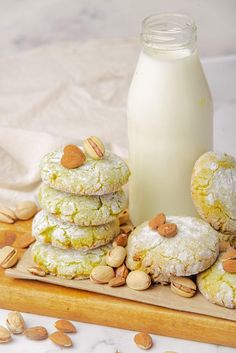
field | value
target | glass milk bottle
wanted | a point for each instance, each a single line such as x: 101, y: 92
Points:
x: 170, y: 118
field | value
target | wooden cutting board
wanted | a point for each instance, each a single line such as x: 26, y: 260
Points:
x: 47, y: 299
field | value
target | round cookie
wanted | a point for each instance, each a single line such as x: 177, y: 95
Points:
x: 192, y: 250
x: 94, y: 177
x: 213, y: 188
x: 218, y: 286
x: 82, y: 210
x: 49, y: 229
x: 68, y: 263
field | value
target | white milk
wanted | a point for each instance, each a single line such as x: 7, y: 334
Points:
x: 169, y: 127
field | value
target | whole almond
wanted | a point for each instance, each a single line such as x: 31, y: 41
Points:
x: 122, y: 271
x: 23, y: 240
x: 94, y: 147
x: 65, y: 326
x: 116, y: 282
x: 5, y: 335
x: 8, y: 256
x: 229, y: 260
x: 157, y: 221
x: 37, y: 271
x: 7, y: 215
x: 167, y: 230
x: 102, y: 274
x: 15, y: 322
x: 26, y: 210
x: 73, y: 157
x: 123, y: 217
x: 120, y: 240
x: 61, y: 339
x: 36, y: 333
x: 143, y: 340
x: 116, y: 256
x: 138, y: 280
x: 183, y: 286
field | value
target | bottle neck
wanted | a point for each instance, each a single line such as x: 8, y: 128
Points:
x: 169, y: 35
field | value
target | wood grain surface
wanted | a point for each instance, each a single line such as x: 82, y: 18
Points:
x: 47, y: 299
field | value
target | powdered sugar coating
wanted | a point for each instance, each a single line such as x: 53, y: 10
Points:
x: 82, y: 210
x: 49, y: 229
x: 68, y: 263
x: 218, y: 286
x: 95, y: 177
x: 213, y: 188
x: 192, y: 250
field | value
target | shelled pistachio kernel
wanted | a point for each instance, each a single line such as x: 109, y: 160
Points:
x: 183, y: 286
x: 94, y: 147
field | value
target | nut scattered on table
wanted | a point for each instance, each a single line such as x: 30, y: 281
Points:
x: 116, y: 282
x: 157, y: 221
x: 8, y: 256
x: 61, y: 339
x: 183, y: 286
x: 26, y: 210
x: 120, y: 240
x: 37, y: 271
x: 122, y: 271
x: 73, y: 157
x: 138, y: 280
x: 102, y: 274
x: 7, y: 215
x: 116, y: 256
x: 15, y: 322
x: 94, y: 147
x: 229, y: 260
x: 65, y: 326
x: 5, y: 335
x: 143, y: 340
x: 36, y: 333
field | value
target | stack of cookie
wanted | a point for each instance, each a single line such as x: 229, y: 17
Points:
x: 81, y: 198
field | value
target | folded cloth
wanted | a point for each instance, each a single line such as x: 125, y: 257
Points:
x: 20, y: 153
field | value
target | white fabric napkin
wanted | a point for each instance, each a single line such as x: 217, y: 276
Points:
x: 60, y: 94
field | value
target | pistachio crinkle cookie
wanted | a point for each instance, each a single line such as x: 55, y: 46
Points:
x: 49, y: 229
x: 218, y: 286
x: 82, y: 210
x: 213, y: 188
x: 68, y: 263
x: 194, y: 248
x: 94, y: 177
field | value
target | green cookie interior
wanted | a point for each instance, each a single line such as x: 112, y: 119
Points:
x: 68, y: 263
x: 49, y: 229
x: 82, y: 210
x: 94, y: 177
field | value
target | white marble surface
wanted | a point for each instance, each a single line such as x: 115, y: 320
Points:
x: 27, y: 24
x: 99, y: 339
